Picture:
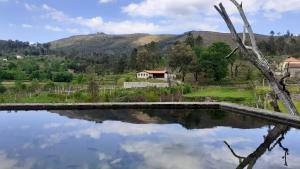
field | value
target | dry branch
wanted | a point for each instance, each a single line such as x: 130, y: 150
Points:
x: 232, y: 53
x: 254, y: 55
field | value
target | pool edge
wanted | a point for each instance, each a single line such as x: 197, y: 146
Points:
x: 261, y: 113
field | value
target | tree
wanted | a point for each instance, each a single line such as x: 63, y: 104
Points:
x: 120, y: 65
x: 196, y: 65
x: 272, y: 44
x: 143, y: 58
x: 190, y: 40
x: 280, y: 45
x: 213, y: 62
x: 19, y: 86
x: 199, y: 41
x: 180, y: 58
x: 154, y: 54
x: 133, y: 59
x: 256, y: 57
x: 35, y: 85
x: 62, y: 77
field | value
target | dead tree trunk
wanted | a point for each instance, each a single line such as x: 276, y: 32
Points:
x: 253, y: 54
x: 273, y: 135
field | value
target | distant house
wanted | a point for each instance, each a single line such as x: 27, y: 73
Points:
x: 292, y: 65
x: 5, y: 60
x: 155, y: 74
x: 19, y: 57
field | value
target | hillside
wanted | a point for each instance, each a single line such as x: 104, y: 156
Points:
x: 119, y: 44
x: 109, y: 44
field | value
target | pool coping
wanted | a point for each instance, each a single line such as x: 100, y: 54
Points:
x: 293, y: 121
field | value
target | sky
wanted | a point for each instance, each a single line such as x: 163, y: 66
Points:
x: 48, y: 20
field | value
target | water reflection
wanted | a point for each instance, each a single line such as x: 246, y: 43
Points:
x: 133, y: 139
x: 190, y: 119
x: 276, y: 134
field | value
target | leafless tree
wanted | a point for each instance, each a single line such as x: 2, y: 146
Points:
x: 274, y: 135
x: 255, y: 56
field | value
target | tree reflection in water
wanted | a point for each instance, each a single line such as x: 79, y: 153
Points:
x: 275, y: 135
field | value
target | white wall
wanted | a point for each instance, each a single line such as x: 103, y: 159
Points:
x: 128, y: 85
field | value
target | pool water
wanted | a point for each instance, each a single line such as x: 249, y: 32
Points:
x: 144, y: 139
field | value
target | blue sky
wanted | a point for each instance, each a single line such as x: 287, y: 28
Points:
x: 47, y: 20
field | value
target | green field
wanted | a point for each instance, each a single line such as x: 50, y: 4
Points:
x: 219, y: 93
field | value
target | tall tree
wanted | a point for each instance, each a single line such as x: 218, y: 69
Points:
x: 213, y: 62
x: 133, y: 59
x: 143, y: 57
x: 272, y: 44
x: 120, y: 65
x: 180, y: 58
x: 196, y: 67
x: 190, y: 40
x: 199, y: 41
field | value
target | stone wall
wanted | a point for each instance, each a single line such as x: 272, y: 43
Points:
x: 128, y: 85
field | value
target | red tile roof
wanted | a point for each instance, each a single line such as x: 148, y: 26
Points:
x: 294, y: 65
x: 292, y: 59
x: 156, y: 71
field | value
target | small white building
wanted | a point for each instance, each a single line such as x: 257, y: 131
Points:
x: 292, y: 65
x: 4, y: 60
x: 155, y: 74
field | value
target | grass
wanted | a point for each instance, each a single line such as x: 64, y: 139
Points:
x: 283, y: 109
x: 224, y: 94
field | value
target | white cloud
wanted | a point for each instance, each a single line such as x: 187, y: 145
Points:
x: 180, y: 155
x: 54, y: 14
x: 171, y: 16
x: 29, y: 7
x: 175, y: 8
x: 53, y: 28
x: 9, y: 163
x: 98, y: 24
x: 282, y: 6
x: 271, y: 9
x: 105, y: 1
x: 27, y: 26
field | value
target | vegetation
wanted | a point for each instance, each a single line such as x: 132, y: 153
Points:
x: 286, y: 44
x: 48, y: 74
x: 218, y: 93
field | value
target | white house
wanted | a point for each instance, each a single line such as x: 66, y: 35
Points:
x: 292, y: 65
x: 4, y: 60
x: 156, y: 74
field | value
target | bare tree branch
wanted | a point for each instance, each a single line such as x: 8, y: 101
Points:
x: 256, y: 57
x: 244, y: 35
x: 232, y: 53
x: 273, y: 134
x: 241, y: 158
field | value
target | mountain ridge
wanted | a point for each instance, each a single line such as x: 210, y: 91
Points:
x: 124, y: 43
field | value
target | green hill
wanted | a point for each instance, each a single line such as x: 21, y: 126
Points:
x: 123, y: 44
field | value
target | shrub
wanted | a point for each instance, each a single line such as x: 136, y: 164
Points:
x: 62, y: 77
x: 128, y: 79
x: 187, y: 89
x: 49, y: 85
x: 2, y: 88
x: 20, y: 86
